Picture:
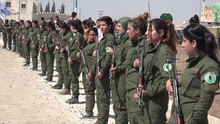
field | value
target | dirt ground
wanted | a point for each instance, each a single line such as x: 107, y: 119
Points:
x: 26, y: 99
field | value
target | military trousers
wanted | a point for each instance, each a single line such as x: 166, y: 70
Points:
x: 34, y: 55
x: 14, y: 43
x: 24, y: 50
x: 65, y: 71
x: 59, y: 69
x: 5, y: 39
x: 43, y: 61
x: 90, y: 94
x: 49, y: 64
x: 74, y: 77
x: 132, y: 108
x: 103, y: 98
x: 119, y: 99
x: 9, y: 41
x: 27, y: 53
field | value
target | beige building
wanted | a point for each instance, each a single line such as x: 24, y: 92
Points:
x: 21, y: 9
x: 208, y: 15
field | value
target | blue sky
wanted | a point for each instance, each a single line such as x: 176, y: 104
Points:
x: 180, y: 9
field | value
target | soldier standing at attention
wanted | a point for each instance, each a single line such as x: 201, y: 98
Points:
x: 49, y: 47
x: 102, y: 77
x: 200, y: 79
x: 9, y: 33
x: 119, y: 85
x: 27, y: 41
x: 136, y: 30
x: 156, y: 68
x: 90, y: 60
x: 42, y: 44
x: 4, y: 33
x: 35, y: 44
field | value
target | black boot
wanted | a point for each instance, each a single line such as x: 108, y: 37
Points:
x: 72, y: 100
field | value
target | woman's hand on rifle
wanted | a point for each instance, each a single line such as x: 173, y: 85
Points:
x: 90, y: 76
x: 70, y: 61
x: 169, y: 87
x: 99, y: 75
x: 136, y: 63
x: 94, y: 54
x: 78, y: 55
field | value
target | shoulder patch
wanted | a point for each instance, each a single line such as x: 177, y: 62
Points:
x: 71, y: 38
x: 108, y: 49
x: 210, y: 77
x: 167, y: 67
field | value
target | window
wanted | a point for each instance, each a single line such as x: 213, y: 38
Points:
x: 8, y: 4
x: 23, y: 6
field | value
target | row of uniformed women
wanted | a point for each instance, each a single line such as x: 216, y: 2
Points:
x: 157, y: 41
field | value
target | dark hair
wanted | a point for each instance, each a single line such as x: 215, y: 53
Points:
x: 51, y: 18
x: 73, y: 14
x: 29, y: 22
x: 77, y: 24
x: 97, y: 20
x: 108, y: 21
x: 35, y: 22
x: 85, y: 22
x: 42, y: 18
x: 57, y: 17
x: 95, y: 30
x: 63, y: 25
x: 115, y: 23
x: 6, y: 21
x: 205, y: 40
x: 169, y: 36
x: 17, y: 23
x: 50, y: 24
x: 194, y: 19
x: 22, y: 21
x: 140, y: 22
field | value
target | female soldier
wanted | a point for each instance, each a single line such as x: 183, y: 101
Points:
x: 90, y: 60
x: 102, y: 77
x: 136, y: 30
x: 63, y: 56
x: 156, y: 72
x: 35, y: 44
x: 119, y: 85
x: 42, y: 40
x: 49, y: 47
x: 200, y: 79
x: 27, y: 41
x: 74, y: 62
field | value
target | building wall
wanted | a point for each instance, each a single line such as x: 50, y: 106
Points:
x: 208, y: 15
x: 25, y: 13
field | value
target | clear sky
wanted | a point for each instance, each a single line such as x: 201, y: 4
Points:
x: 181, y: 10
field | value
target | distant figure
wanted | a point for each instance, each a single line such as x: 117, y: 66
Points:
x: 42, y: 20
x: 51, y: 20
x: 73, y: 17
x: 57, y: 19
x: 194, y: 19
x: 91, y: 23
x: 115, y: 25
x: 86, y: 30
x: 167, y: 17
x: 100, y: 35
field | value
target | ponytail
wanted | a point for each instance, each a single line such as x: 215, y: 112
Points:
x: 211, y: 47
x: 171, y: 38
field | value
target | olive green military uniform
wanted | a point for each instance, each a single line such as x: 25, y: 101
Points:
x: 64, y: 57
x: 43, y: 37
x: 131, y: 73
x: 103, y: 84
x: 4, y: 33
x: 9, y: 33
x: 197, y: 87
x: 119, y: 85
x: 50, y: 45
x: 75, y: 67
x: 35, y: 47
x: 58, y: 59
x: 27, y: 39
x: 14, y: 34
x: 23, y: 44
x: 89, y: 89
x: 18, y: 45
x: 158, y: 64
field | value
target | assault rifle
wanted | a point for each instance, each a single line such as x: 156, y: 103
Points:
x: 111, y: 75
x: 174, y: 82
x: 84, y: 61
x: 97, y: 58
